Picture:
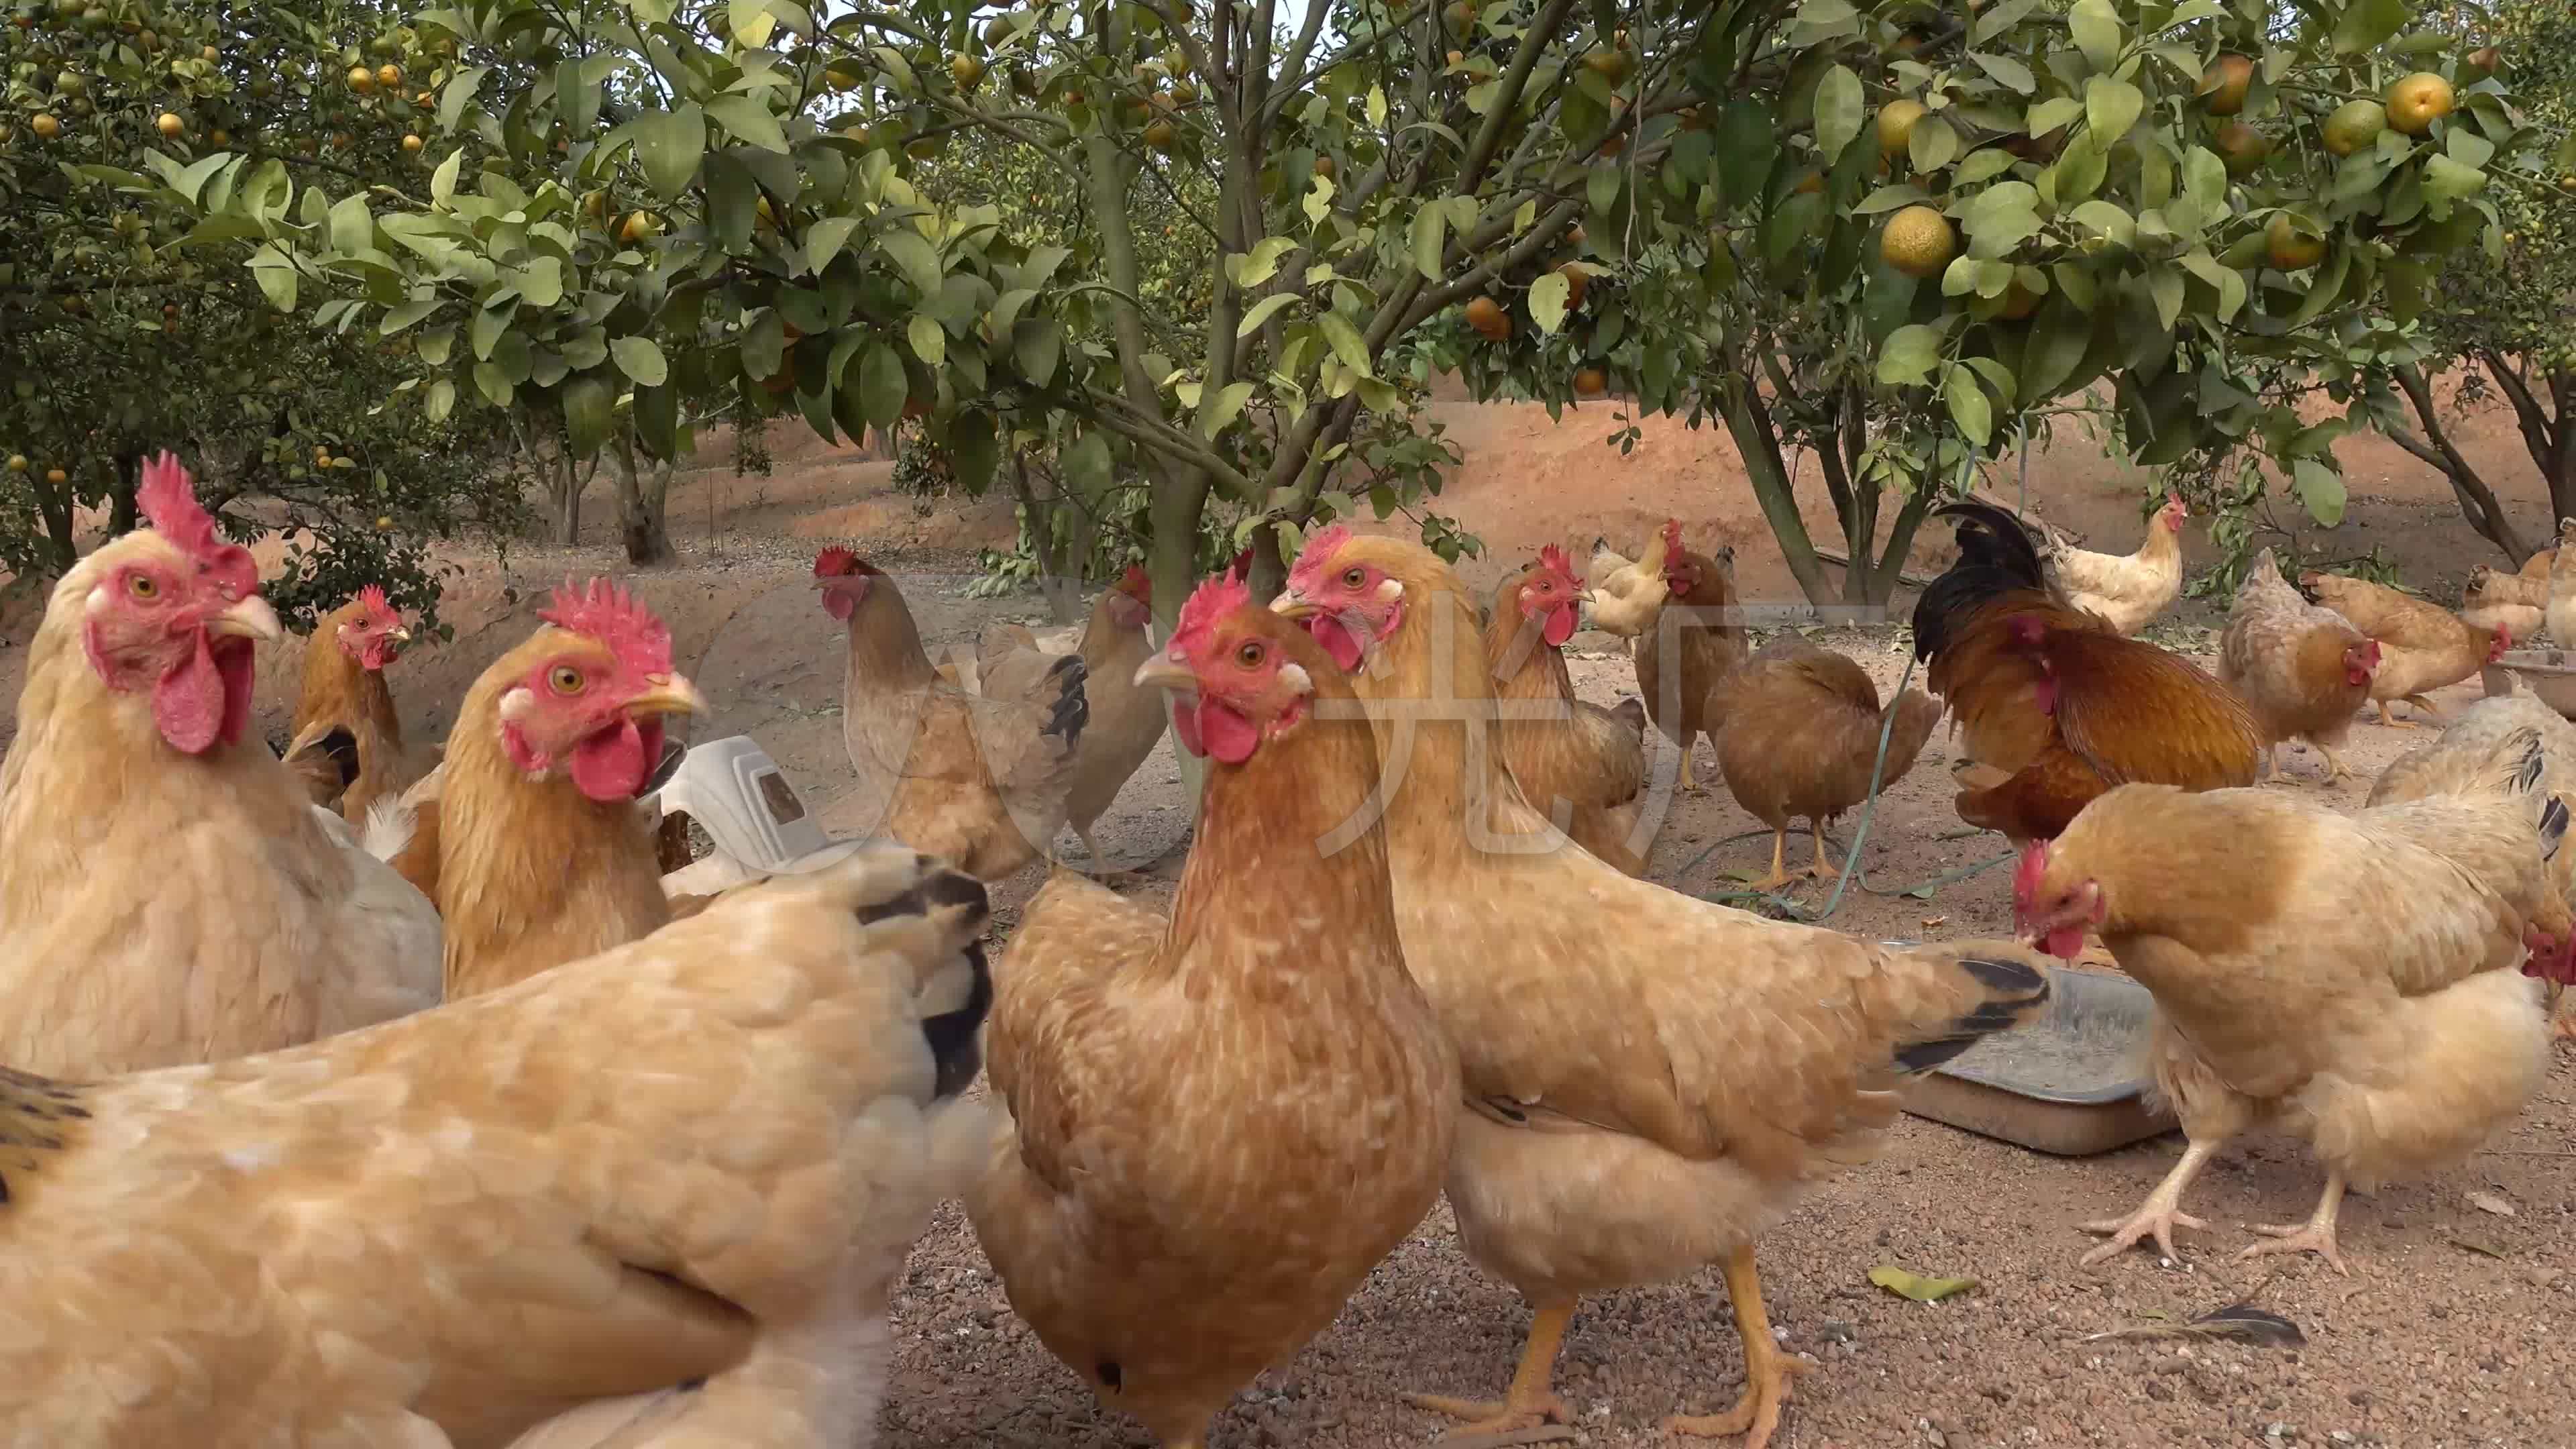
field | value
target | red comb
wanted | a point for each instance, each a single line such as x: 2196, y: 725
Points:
x: 615, y: 618
x: 1553, y: 559
x: 167, y: 498
x: 372, y: 599
x: 1211, y: 601
x: 1319, y: 549
x: 838, y: 562
x: 1136, y: 584
x: 2034, y: 864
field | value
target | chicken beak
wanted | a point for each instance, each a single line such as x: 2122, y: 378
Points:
x: 398, y: 634
x: 1290, y: 605
x: 666, y: 694
x: 1161, y: 671
x: 252, y: 618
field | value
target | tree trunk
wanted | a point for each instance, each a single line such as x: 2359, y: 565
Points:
x: 1749, y: 423
x: 1042, y: 508
x: 568, y: 490
x: 122, y: 512
x: 2477, y: 501
x: 640, y: 497
x: 55, y: 505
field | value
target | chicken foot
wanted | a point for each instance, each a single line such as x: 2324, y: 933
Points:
x: 1100, y: 869
x: 2159, y: 1215
x: 1822, y: 869
x: 2336, y: 769
x: 1779, y: 875
x: 1529, y: 1403
x: 1767, y: 1370
x: 2388, y: 717
x: 2316, y: 1235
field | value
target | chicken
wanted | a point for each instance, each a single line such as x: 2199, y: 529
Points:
x: 1125, y: 721
x: 2558, y: 604
x: 1583, y: 766
x: 1651, y: 1079
x: 1685, y: 660
x: 702, y: 1156
x: 2052, y: 705
x: 2465, y: 752
x: 1222, y: 1121
x: 1802, y: 738
x: 977, y: 778
x: 543, y: 855
x: 2510, y: 602
x: 2348, y: 980
x: 1625, y: 597
x: 2301, y: 669
x: 2423, y: 645
x: 168, y: 894
x: 2129, y: 590
x: 345, y: 714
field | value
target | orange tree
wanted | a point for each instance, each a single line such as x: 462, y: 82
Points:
x: 634, y: 202
x: 127, y: 325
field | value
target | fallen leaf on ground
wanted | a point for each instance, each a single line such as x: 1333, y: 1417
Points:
x: 1931, y: 921
x: 1906, y: 1283
x: 2474, y: 1246
x: 2487, y: 1202
x: 2239, y: 1321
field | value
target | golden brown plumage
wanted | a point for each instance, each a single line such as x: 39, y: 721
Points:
x: 1801, y: 738
x: 2423, y: 645
x: 1571, y: 758
x: 1223, y: 1121
x: 168, y: 895
x: 345, y: 714
x: 976, y: 776
x: 2054, y: 699
x: 2301, y: 669
x: 543, y: 855
x: 702, y: 1155
x: 1652, y: 1079
x: 1124, y: 721
x: 2350, y: 980
x: 2515, y: 603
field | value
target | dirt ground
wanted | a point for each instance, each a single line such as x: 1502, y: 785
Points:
x: 2450, y: 1332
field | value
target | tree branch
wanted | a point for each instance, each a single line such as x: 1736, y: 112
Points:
x: 2477, y: 501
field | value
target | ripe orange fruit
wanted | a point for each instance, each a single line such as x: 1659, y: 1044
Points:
x: 361, y: 79
x: 1489, y: 319
x: 1590, y: 382
x: 46, y: 127
x: 2286, y: 249
x: 2416, y: 102
x: 1918, y: 242
x: 2224, y: 84
x: 169, y: 125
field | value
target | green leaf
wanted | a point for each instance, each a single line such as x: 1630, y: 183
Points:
x: 882, y: 385
x: 1823, y: 20
x: 276, y: 276
x: 1982, y: 165
x: 1909, y: 355
x: 2079, y: 170
x: 2050, y: 114
x: 1251, y: 269
x: 540, y: 282
x: 913, y: 254
x: 2321, y: 489
x: 1377, y: 107
x: 2059, y: 337
x: 1225, y: 409
x: 493, y: 383
x: 640, y: 358
x: 398, y: 318
x: 1347, y: 344
x: 442, y: 182
x: 670, y: 146
x: 1838, y: 111
x: 1969, y: 409
x: 1601, y: 188
x: 929, y: 342
x: 586, y: 404
x: 435, y: 345
x: 1430, y: 225
x: 353, y: 227
x: 973, y: 450
x: 1262, y: 311
x: 459, y: 93
x: 439, y: 401
x: 1932, y: 145
x: 2111, y: 107
x: 2098, y: 32
x: 1998, y: 19
x: 2107, y: 218
x: 825, y: 239
x: 1547, y: 301
x: 2448, y: 180
x: 1906, y: 1283
x: 764, y: 345
x: 2164, y: 284
x: 2204, y: 180
x: 748, y: 120
x: 751, y: 22
x: 1039, y: 346
x: 2008, y: 72
x: 2229, y: 282
x: 2365, y: 24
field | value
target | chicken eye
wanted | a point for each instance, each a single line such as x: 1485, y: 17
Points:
x: 565, y: 679
x: 1354, y: 577
x: 1249, y: 656
x: 144, y: 586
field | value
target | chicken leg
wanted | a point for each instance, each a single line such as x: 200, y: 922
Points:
x: 2388, y: 717
x: 2316, y: 1235
x: 1527, y: 1405
x: 1689, y: 786
x: 1779, y: 875
x: 2159, y: 1215
x: 2336, y: 769
x: 1766, y: 1369
x: 1821, y: 870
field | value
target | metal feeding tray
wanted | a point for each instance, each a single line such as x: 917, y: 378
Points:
x: 2072, y: 1083
x: 2550, y: 675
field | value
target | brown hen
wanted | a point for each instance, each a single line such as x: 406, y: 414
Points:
x: 1802, y: 737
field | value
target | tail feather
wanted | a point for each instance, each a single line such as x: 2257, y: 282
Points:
x: 1996, y: 556
x: 2553, y: 827
x: 1981, y: 988
x: 390, y: 823
x: 1072, y: 708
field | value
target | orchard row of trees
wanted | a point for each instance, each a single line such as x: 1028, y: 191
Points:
x: 1180, y: 272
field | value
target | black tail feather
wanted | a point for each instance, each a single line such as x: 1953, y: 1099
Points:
x: 1072, y: 703
x: 1996, y: 555
x: 2553, y: 828
x: 2017, y: 990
